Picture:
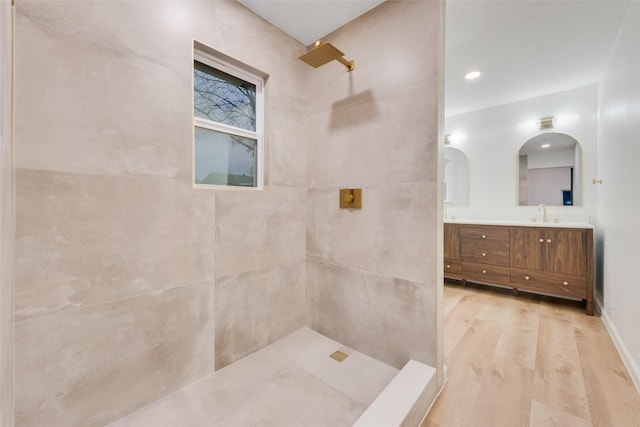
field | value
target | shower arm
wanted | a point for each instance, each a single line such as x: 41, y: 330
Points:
x: 349, y: 64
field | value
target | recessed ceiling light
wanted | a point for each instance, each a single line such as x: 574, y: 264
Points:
x: 472, y: 75
x: 546, y: 145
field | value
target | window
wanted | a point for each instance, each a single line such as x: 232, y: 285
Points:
x: 228, y: 121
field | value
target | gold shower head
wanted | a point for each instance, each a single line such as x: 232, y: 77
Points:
x: 323, y: 53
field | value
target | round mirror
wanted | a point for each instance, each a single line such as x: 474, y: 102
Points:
x: 549, y: 171
x: 456, y: 177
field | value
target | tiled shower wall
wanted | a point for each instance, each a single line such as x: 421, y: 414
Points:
x: 372, y: 273
x: 130, y: 283
x: 6, y: 220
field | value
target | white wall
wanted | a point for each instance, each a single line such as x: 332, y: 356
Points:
x: 618, y: 202
x: 493, y: 140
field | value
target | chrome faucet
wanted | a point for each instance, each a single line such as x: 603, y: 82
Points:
x: 544, y: 212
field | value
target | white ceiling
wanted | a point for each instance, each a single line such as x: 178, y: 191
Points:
x: 525, y: 48
x: 310, y: 20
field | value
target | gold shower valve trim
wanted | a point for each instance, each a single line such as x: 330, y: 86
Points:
x: 351, y: 198
x: 324, y: 53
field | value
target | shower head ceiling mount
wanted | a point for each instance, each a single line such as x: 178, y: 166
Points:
x: 323, y: 53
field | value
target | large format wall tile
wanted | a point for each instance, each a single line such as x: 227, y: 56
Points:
x: 87, y: 239
x: 7, y: 219
x: 89, y: 366
x: 389, y: 235
x: 162, y: 32
x: 257, y: 230
x: 288, y: 142
x: 386, y: 318
x: 257, y: 308
x: 374, y: 138
x: 85, y: 108
x: 84, y: 82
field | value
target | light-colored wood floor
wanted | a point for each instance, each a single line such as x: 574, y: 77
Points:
x: 529, y: 360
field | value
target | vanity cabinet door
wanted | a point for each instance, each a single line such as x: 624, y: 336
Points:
x: 566, y: 251
x: 553, y: 250
x: 452, y: 241
x: 528, y: 248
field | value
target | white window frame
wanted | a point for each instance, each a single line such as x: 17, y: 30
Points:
x: 243, y: 74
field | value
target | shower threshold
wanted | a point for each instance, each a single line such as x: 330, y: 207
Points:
x: 296, y: 382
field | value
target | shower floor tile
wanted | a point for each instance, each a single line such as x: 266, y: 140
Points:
x: 292, y: 382
x: 360, y: 377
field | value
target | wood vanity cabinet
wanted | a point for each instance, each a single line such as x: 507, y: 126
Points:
x: 452, y: 262
x: 549, y: 260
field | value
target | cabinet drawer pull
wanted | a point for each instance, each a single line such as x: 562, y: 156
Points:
x: 484, y: 254
x: 526, y: 277
x: 484, y: 236
x: 484, y: 271
x: 541, y: 240
x: 548, y: 240
x: 448, y: 265
x: 565, y: 283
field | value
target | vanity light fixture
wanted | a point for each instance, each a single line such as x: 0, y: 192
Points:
x: 546, y: 123
x: 471, y: 75
x: 550, y: 122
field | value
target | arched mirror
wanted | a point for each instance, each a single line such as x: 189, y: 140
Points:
x: 550, y: 171
x: 456, y: 177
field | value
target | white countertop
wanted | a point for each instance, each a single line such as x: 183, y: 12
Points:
x: 521, y: 223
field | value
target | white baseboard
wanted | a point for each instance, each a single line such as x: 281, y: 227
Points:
x: 627, y: 359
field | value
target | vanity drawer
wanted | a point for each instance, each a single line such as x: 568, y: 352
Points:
x: 452, y: 268
x: 484, y: 255
x: 486, y: 273
x: 549, y: 283
x: 485, y: 245
x: 485, y: 232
